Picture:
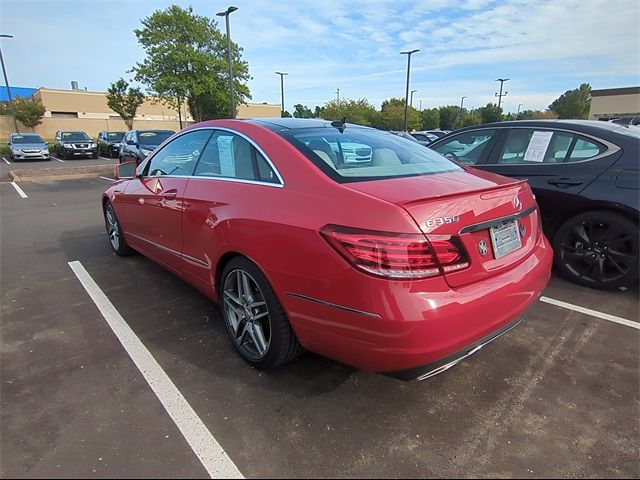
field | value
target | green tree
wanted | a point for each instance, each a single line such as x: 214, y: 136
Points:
x: 124, y: 100
x: 360, y: 111
x: 302, y: 111
x: 449, y: 117
x: 490, y: 113
x: 573, y: 103
x: 471, y: 118
x: 286, y: 114
x: 430, y: 119
x: 28, y: 111
x: 391, y: 116
x: 185, y: 58
x: 317, y: 112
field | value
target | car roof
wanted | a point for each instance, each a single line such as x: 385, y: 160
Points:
x: 279, y: 124
x: 576, y: 125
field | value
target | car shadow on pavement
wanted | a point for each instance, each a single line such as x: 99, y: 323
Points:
x: 177, y: 322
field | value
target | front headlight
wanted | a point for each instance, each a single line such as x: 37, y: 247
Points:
x: 45, y: 150
x: 68, y: 145
x: 93, y: 145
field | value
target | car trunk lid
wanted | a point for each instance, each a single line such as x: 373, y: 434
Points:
x: 494, y: 218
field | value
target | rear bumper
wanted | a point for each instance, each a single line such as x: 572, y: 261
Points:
x: 410, y: 329
x: 432, y: 369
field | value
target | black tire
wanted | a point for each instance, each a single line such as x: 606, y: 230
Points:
x: 598, y: 249
x: 283, y: 346
x: 64, y: 155
x: 118, y: 244
x: 95, y: 155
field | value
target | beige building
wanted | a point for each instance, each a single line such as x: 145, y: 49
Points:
x: 88, y: 111
x: 615, y: 103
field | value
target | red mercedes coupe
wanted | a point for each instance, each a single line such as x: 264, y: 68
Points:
x: 343, y: 240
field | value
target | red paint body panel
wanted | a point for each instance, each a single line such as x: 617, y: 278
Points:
x: 411, y: 323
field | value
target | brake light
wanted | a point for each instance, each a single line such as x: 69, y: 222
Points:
x: 397, y: 255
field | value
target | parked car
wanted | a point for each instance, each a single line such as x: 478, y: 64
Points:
x: 410, y: 137
x: 137, y: 144
x: 404, y: 266
x: 585, y: 175
x: 27, y: 146
x: 425, y: 137
x: 109, y: 143
x: 75, y: 144
x: 438, y: 133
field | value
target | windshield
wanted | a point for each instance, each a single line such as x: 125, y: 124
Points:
x: 116, y: 136
x: 75, y: 136
x: 360, y: 154
x: 154, y: 138
x: 26, y: 139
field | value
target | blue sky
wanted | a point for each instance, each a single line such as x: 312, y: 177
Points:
x: 545, y: 48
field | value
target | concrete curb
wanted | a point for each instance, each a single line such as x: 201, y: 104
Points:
x: 64, y: 173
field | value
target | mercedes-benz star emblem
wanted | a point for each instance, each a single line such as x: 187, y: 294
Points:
x: 517, y: 204
x: 482, y: 246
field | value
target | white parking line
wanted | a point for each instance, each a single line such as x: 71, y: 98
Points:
x: 62, y: 161
x: 19, y: 190
x: 204, y: 445
x: 6, y: 161
x: 593, y: 313
x: 107, y: 178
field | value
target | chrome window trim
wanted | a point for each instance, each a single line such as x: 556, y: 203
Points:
x: 143, y: 165
x: 611, y: 148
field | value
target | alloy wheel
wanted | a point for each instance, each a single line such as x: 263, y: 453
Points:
x: 112, y: 228
x: 246, y: 314
x: 599, y: 251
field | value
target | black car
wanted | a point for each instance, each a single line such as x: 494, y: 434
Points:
x: 75, y: 144
x: 586, y: 178
x: 109, y: 143
x: 137, y: 144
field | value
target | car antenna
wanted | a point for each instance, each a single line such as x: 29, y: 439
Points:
x: 340, y: 124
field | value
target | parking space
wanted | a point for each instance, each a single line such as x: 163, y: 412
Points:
x: 558, y: 396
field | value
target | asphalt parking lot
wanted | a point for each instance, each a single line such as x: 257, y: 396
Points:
x: 556, y: 397
x: 6, y: 165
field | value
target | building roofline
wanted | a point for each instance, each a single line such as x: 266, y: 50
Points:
x: 615, y: 91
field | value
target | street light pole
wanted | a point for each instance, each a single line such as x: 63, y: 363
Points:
x: 500, y: 95
x: 411, y: 101
x: 462, y: 102
x: 420, y: 105
x: 337, y: 92
x: 282, y: 74
x: 519, y: 105
x: 226, y: 14
x: 6, y: 81
x: 406, y: 96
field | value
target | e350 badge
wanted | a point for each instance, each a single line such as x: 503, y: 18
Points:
x: 437, y: 222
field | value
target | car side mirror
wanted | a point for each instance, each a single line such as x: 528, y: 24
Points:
x: 125, y: 170
x: 130, y: 142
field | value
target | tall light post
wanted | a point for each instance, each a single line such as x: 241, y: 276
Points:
x: 6, y: 81
x: 337, y: 92
x: 420, y: 105
x: 519, y: 105
x: 500, y: 95
x: 462, y: 102
x: 411, y: 101
x: 406, y: 96
x: 282, y: 74
x: 226, y: 14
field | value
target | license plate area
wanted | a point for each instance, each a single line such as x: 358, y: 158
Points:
x: 505, y: 238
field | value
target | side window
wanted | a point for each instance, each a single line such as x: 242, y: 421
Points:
x: 180, y: 156
x: 231, y: 156
x: 466, y: 147
x: 584, y: 149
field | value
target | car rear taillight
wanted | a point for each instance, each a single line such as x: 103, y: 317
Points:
x: 397, y: 255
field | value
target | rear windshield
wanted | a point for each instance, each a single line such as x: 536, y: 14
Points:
x: 75, y: 136
x: 153, y: 138
x: 26, y: 139
x: 359, y: 154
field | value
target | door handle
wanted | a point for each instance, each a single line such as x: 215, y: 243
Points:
x: 170, y: 194
x: 564, y: 183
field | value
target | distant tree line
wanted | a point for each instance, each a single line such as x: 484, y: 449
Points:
x: 571, y: 104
